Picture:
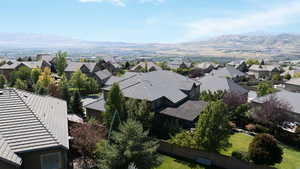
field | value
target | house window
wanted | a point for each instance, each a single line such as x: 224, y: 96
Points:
x: 51, y: 161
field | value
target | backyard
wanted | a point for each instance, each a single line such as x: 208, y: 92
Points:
x: 291, y: 157
x: 175, y: 163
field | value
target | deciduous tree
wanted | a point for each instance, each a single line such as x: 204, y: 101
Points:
x: 2, y: 81
x: 85, y: 137
x: 61, y: 62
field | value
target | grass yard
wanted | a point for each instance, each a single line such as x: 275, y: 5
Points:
x: 173, y: 163
x: 291, y: 157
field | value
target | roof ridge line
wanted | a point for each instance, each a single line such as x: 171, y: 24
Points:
x: 37, y: 117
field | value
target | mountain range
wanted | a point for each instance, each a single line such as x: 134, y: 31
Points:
x: 237, y: 46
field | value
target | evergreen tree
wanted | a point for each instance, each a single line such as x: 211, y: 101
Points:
x: 212, y: 130
x: 130, y: 145
x: 115, y: 105
x: 76, y: 104
x: 64, y: 89
x: 61, y: 62
x: 140, y: 111
x: 2, y: 81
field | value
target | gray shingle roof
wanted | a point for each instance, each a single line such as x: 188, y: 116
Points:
x: 97, y: 105
x: 7, y: 154
x: 228, y: 71
x: 214, y: 83
x: 30, y: 122
x: 150, y: 65
x: 295, y: 81
x: 206, y: 65
x: 268, y: 68
x: 153, y: 85
x: 15, y: 64
x: 74, y: 66
x: 103, y: 74
x: 189, y: 110
x: 290, y: 97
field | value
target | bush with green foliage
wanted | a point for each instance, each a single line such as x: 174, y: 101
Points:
x: 212, y: 131
x: 265, y: 88
x: 212, y: 96
x: 35, y: 74
x: 252, y: 62
x: 264, y: 150
x: 140, y: 111
x: 276, y: 77
x: 287, y: 76
x: 61, y: 62
x: 130, y: 144
x: 21, y: 84
x: 2, y: 81
x: 24, y: 74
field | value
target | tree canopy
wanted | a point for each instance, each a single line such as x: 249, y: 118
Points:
x: 264, y: 150
x: 61, y: 62
x: 115, y: 105
x: 130, y: 144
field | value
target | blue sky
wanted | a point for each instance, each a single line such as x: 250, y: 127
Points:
x: 148, y: 20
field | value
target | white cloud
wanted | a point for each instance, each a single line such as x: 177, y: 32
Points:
x: 288, y: 13
x: 122, y: 2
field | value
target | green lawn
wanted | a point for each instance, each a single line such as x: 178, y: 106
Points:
x: 173, y: 163
x: 291, y: 157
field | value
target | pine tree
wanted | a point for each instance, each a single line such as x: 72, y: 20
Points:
x: 130, y: 144
x: 76, y: 104
x: 115, y: 107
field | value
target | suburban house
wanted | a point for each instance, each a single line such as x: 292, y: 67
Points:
x: 176, y: 64
x: 145, y: 67
x: 229, y: 72
x: 111, y: 64
x: 162, y: 90
x: 33, y: 131
x: 239, y: 65
x: 289, y: 71
x: 293, y: 85
x: 263, y: 71
x: 8, y: 68
x: 206, y: 67
x: 87, y: 68
x: 102, y: 76
x: 216, y: 83
x: 291, y: 98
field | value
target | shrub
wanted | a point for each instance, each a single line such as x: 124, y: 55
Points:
x: 264, y: 150
x: 287, y: 76
x: 261, y: 129
x: 241, y: 155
